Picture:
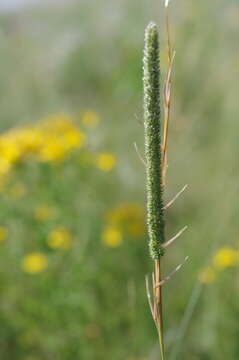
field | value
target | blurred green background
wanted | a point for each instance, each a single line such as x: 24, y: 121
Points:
x: 73, y: 244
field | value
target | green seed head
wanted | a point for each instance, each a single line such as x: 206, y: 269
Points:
x: 155, y: 213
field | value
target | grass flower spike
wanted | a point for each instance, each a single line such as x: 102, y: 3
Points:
x: 155, y: 211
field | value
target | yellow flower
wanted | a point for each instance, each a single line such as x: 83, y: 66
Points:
x: 9, y: 150
x: 207, y: 275
x: 53, y: 150
x: 29, y: 140
x: 44, y: 212
x: 74, y: 139
x: 56, y: 147
x: 129, y: 217
x: 105, y: 161
x: 17, y: 142
x: 225, y: 257
x: 3, y: 233
x: 5, y: 166
x: 48, y: 140
x: 34, y: 263
x: 18, y: 190
x: 112, y: 237
x: 126, y: 211
x: 59, y: 238
x: 135, y: 229
x: 90, y: 119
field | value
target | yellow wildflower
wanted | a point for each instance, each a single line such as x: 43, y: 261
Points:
x: 105, y: 161
x: 53, y: 150
x: 18, y: 190
x: 74, y: 139
x: 3, y: 233
x: 59, y: 238
x: 34, y: 263
x: 207, y: 275
x: 129, y: 217
x: 225, y: 257
x: 5, y: 166
x: 136, y: 229
x: 9, y: 150
x: 49, y: 140
x: 56, y: 147
x: 112, y: 237
x: 124, y: 211
x: 44, y: 212
x: 90, y: 119
x: 29, y: 140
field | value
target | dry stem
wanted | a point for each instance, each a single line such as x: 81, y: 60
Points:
x: 158, y: 306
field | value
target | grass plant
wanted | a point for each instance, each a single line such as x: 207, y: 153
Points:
x: 156, y: 166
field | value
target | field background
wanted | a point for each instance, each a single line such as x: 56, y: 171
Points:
x: 73, y: 246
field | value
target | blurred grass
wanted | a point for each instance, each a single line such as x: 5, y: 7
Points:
x: 90, y: 303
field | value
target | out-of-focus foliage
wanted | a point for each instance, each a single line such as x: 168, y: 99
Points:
x: 73, y: 245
